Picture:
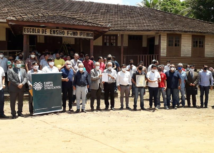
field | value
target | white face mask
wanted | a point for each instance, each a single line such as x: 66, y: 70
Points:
x: 109, y: 68
x: 81, y: 69
x: 192, y: 70
x: 18, y: 65
x: 35, y: 67
x: 68, y: 66
x: 1, y: 56
x: 153, y: 70
x: 97, y: 67
x: 123, y: 69
x: 51, y: 63
x: 32, y: 56
x: 172, y: 69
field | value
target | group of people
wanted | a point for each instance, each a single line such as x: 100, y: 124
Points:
x: 81, y: 75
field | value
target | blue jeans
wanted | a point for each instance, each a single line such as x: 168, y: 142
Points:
x: 182, y: 91
x: 163, y: 92
x: 133, y: 89
x: 2, y: 102
x: 141, y: 90
x: 153, y: 92
x: 175, y: 96
x: 205, y: 90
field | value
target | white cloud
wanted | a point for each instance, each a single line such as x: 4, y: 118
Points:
x: 107, y: 1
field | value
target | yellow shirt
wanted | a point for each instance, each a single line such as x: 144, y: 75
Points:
x: 59, y: 63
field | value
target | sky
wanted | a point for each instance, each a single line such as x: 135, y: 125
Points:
x: 121, y: 2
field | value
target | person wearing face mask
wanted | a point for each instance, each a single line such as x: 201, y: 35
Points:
x: 138, y: 89
x: 3, y: 64
x: 81, y: 85
x: 18, y: 79
x: 96, y: 85
x: 153, y: 78
x: 44, y: 61
x: 183, y: 81
x: 30, y: 60
x: 132, y: 69
x: 20, y: 56
x: 124, y: 85
x: 173, y: 86
x: 205, y: 80
x: 75, y: 62
x: 191, y: 85
x: 67, y: 85
x: 50, y: 68
x: 59, y: 62
x: 34, y: 70
x: 167, y: 67
x: 109, y: 86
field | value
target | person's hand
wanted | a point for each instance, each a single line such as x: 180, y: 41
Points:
x: 164, y: 88
x: 179, y: 87
x: 190, y: 84
x: 211, y: 87
x: 118, y: 88
x: 30, y: 85
x: 87, y: 86
x: 130, y: 87
x: 4, y: 86
x: 109, y: 75
x: 20, y: 86
x: 193, y: 85
x: 103, y: 82
x: 74, y: 88
x: 66, y: 79
x: 100, y: 75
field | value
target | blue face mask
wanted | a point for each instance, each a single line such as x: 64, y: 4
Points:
x: 179, y: 68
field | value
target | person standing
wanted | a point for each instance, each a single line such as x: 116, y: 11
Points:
x: 153, y: 78
x: 30, y: 60
x: 59, y: 62
x: 138, y: 89
x: 109, y: 86
x: 67, y: 86
x: 167, y: 66
x: 44, y: 61
x: 75, y: 62
x: 50, y: 68
x: 3, y: 64
x: 173, y: 86
x: 102, y: 65
x: 154, y: 62
x: 162, y: 87
x: 89, y: 65
x: 81, y: 85
x: 191, y: 85
x: 206, y: 83
x: 34, y: 70
x: 18, y: 79
x: 132, y: 69
x: 96, y: 78
x: 124, y: 85
x: 2, y: 86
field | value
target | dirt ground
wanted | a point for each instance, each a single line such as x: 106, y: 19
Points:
x: 177, y: 131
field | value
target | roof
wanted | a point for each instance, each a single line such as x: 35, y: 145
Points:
x: 118, y: 17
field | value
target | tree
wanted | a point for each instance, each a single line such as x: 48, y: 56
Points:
x: 150, y: 3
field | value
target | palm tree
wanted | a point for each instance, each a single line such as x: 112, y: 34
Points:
x: 149, y: 3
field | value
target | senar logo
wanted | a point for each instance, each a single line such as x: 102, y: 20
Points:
x: 37, y: 85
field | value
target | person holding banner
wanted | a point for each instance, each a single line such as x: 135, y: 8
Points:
x: 81, y: 85
x: 34, y: 70
x: 50, y: 68
x: 18, y: 79
x: 67, y: 87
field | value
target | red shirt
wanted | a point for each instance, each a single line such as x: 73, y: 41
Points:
x: 161, y: 84
x: 89, y: 65
x: 102, y: 66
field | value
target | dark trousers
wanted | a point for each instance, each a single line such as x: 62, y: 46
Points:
x: 95, y: 94
x: 153, y: 92
x: 1, y: 102
x: 193, y: 99
x: 67, y: 93
x: 205, y: 90
x: 109, y: 89
x: 13, y: 96
x: 30, y: 103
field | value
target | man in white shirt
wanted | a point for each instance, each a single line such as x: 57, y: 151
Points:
x: 153, y: 78
x: 50, y: 68
x: 124, y: 85
x: 132, y: 69
x: 3, y: 64
x: 44, y: 62
x: 167, y: 66
x: 2, y: 86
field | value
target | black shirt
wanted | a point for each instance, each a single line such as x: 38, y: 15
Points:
x: 137, y: 73
x: 81, y: 79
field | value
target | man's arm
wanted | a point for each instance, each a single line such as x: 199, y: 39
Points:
x: 93, y: 77
x: 25, y: 77
x: 3, y: 81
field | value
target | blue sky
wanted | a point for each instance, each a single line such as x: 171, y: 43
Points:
x: 121, y: 2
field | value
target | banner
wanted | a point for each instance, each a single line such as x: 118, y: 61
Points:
x: 46, y: 93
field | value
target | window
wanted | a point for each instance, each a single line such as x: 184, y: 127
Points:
x: 110, y: 40
x: 198, y: 46
x: 173, y: 45
x: 198, y: 42
x: 174, y: 41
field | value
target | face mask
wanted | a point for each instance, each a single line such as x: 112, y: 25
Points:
x: 18, y: 65
x: 205, y: 68
x: 153, y: 70
x: 172, y: 69
x: 97, y: 67
x: 35, y: 67
x: 8, y: 62
x: 123, y: 69
x: 51, y: 63
x: 68, y: 66
x: 109, y: 68
x: 81, y: 69
x: 179, y: 68
x: 191, y: 70
x: 109, y: 58
x: 140, y: 68
x: 32, y: 56
x: 168, y: 64
x: 1, y: 56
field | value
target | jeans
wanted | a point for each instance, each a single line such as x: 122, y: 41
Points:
x: 175, y: 96
x: 205, y: 90
x: 163, y: 92
x: 1, y: 102
x: 124, y: 90
x: 133, y: 90
x: 182, y: 91
x: 153, y: 92
x: 81, y: 92
x: 141, y: 90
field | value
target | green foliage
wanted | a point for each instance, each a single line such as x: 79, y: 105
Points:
x: 172, y: 6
